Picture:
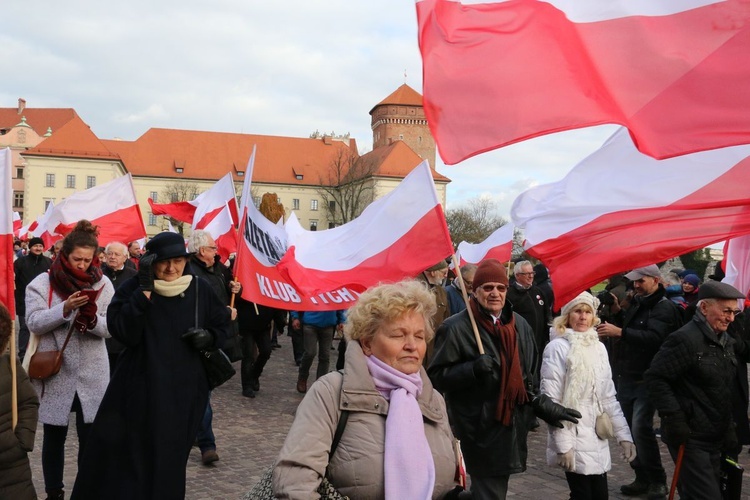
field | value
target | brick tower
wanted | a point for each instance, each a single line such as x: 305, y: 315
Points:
x: 400, y: 117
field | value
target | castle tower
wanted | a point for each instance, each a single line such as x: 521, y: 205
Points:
x: 400, y: 117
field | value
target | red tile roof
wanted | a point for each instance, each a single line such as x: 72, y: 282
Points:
x: 39, y: 119
x: 75, y: 140
x: 397, y: 160
x: 402, y: 96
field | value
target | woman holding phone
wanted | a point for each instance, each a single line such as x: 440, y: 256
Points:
x: 74, y: 295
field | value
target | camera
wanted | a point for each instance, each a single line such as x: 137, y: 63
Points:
x: 605, y: 298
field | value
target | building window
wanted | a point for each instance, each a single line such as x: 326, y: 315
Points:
x: 331, y: 225
x: 50, y: 180
x: 178, y: 170
x: 18, y: 199
x: 151, y: 219
x: 46, y: 204
x: 90, y: 181
x: 299, y: 177
x: 313, y: 204
x: 295, y: 204
x: 332, y: 205
x: 313, y: 225
x: 154, y: 196
x: 19, y: 172
x: 173, y: 197
x: 256, y: 201
x: 70, y: 181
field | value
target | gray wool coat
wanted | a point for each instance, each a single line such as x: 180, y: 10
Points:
x: 85, y: 366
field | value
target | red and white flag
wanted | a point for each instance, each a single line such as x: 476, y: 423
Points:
x: 204, y: 207
x: 395, y: 237
x: 112, y: 206
x: 221, y: 228
x: 7, y: 277
x: 498, y: 245
x: 41, y: 228
x: 737, y: 259
x: 674, y: 72
x: 17, y: 223
x: 619, y: 209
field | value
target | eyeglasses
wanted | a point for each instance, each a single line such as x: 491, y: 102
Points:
x: 212, y: 248
x: 730, y: 312
x: 490, y: 288
x: 468, y: 284
x: 114, y: 254
x: 532, y: 273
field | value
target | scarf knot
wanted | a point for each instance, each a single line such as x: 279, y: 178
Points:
x: 406, y: 446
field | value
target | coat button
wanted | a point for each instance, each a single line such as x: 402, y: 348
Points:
x: 346, y: 404
x: 377, y: 405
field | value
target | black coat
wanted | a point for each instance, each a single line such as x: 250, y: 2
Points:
x: 140, y: 441
x: 645, y: 325
x: 489, y: 448
x: 117, y: 278
x: 693, y: 375
x: 531, y: 304
x: 26, y: 269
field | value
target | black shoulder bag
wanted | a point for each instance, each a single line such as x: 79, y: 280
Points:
x: 217, y: 365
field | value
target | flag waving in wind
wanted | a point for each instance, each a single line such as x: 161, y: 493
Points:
x: 396, y: 236
x: 112, y: 206
x: 498, y: 245
x: 7, y: 279
x: 619, y: 209
x: 204, y: 207
x: 674, y: 72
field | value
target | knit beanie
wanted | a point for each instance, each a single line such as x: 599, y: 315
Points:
x: 490, y: 271
x: 582, y: 298
x: 36, y: 241
x: 692, y: 279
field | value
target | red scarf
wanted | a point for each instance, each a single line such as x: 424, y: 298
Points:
x: 65, y: 279
x: 512, y: 389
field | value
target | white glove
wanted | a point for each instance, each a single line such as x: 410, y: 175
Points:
x: 628, y: 451
x: 567, y: 460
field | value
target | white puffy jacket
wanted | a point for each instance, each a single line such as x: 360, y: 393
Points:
x: 592, y: 454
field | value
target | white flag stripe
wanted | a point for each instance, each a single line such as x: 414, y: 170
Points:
x: 737, y: 261
x: 630, y: 179
x: 475, y: 252
x: 379, y: 226
x: 6, y: 196
x: 246, y: 198
x: 219, y: 195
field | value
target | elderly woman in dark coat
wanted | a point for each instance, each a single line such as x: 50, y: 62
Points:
x: 147, y: 422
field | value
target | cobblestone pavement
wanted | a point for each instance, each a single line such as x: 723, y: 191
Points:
x: 250, y: 432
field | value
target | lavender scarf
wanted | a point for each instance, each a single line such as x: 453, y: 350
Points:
x: 408, y: 465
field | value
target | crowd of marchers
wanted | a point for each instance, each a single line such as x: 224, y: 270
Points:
x: 438, y: 380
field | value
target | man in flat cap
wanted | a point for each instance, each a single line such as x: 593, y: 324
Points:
x: 636, y: 337
x: 434, y: 277
x: 690, y: 381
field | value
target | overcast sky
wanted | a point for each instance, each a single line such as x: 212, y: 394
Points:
x: 277, y: 68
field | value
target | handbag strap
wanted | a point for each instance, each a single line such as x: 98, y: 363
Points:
x: 196, y: 300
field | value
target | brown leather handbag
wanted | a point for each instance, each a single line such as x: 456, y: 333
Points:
x: 45, y: 364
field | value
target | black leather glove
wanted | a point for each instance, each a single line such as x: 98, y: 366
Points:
x: 674, y: 429
x: 86, y: 318
x: 146, y: 272
x: 553, y: 413
x: 483, y: 366
x: 199, y: 338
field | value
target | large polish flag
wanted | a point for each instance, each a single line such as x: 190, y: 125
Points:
x: 221, y: 228
x: 41, y: 227
x: 7, y: 277
x: 619, y: 209
x: 17, y: 223
x: 201, y: 210
x: 395, y: 237
x: 112, y: 206
x: 737, y: 259
x: 674, y: 72
x: 498, y: 245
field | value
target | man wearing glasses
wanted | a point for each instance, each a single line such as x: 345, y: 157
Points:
x: 528, y: 301
x: 691, y: 380
x: 492, y: 398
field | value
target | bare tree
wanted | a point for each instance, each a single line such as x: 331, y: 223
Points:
x: 348, y: 187
x: 473, y: 222
x: 179, y: 191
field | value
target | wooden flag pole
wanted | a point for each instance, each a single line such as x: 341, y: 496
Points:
x: 468, y: 306
x: 13, y: 376
x: 231, y: 301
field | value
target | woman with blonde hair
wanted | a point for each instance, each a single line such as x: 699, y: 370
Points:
x: 576, y: 373
x: 397, y: 442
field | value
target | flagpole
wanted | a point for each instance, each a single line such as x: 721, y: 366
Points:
x: 468, y: 306
x: 13, y: 377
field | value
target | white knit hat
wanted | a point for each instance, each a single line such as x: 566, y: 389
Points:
x: 582, y: 298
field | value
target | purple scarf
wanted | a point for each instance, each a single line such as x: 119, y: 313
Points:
x: 408, y: 465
